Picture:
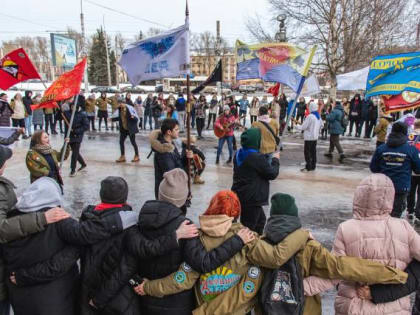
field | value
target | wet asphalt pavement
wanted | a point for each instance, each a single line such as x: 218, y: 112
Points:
x: 324, y: 197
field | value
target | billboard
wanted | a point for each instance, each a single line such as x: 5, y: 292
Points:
x: 63, y: 50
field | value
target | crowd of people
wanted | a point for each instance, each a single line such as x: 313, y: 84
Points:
x: 115, y: 261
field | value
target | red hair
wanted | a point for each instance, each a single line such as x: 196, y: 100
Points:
x: 224, y: 202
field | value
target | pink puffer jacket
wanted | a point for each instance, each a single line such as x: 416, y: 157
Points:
x: 371, y: 234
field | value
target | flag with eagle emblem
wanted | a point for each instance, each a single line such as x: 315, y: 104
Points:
x: 16, y: 67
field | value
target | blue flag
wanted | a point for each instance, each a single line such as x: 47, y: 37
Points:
x: 394, y: 74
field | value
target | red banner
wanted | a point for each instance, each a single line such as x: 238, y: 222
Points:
x: 16, y: 67
x: 405, y: 101
x: 66, y: 86
x: 274, y: 90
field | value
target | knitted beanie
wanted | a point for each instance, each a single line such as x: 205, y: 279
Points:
x: 283, y: 204
x: 224, y: 202
x: 399, y: 127
x: 174, y: 187
x: 114, y: 190
x: 313, y: 107
x: 251, y: 139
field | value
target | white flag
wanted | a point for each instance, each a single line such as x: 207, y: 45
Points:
x: 311, y: 86
x: 165, y: 55
x: 353, y: 81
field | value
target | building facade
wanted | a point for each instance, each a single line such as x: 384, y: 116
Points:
x: 203, y: 65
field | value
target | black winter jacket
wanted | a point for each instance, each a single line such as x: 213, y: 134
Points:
x: 156, y: 219
x: 27, y: 102
x: 80, y: 125
x: 106, y: 271
x: 45, y: 265
x: 166, y: 157
x: 251, y: 180
x: 355, y: 112
x: 384, y: 293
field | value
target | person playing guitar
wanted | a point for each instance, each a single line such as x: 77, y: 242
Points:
x: 224, y: 127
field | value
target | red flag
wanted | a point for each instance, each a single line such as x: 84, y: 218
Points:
x: 274, y: 90
x: 16, y: 67
x: 66, y: 86
x: 405, y: 101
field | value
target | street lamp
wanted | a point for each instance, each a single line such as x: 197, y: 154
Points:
x: 281, y: 34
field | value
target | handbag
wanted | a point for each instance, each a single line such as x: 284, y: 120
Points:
x: 276, y: 138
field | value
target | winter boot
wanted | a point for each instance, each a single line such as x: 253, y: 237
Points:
x: 198, y: 180
x: 136, y: 159
x: 328, y: 155
x: 217, y: 160
x: 341, y: 158
x: 229, y: 160
x: 121, y: 159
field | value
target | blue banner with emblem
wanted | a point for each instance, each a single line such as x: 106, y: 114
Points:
x: 394, y: 74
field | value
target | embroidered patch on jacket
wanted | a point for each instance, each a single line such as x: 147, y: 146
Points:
x: 254, y: 272
x: 249, y: 287
x: 216, y: 282
x: 186, y: 267
x: 282, y: 290
x: 180, y: 277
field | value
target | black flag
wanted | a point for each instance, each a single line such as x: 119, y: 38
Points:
x: 215, y: 76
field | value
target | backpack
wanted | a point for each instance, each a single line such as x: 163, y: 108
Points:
x: 282, y: 290
x: 344, y: 120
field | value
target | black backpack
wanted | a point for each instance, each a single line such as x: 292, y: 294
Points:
x: 282, y: 290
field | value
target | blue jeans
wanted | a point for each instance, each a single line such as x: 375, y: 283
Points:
x: 229, y: 140
x: 150, y: 121
x: 28, y: 125
x: 5, y: 307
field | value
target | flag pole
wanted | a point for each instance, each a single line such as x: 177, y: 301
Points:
x: 302, y: 81
x: 73, y: 113
x: 187, y: 13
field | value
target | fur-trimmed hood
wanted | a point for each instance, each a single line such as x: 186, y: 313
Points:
x: 158, y: 144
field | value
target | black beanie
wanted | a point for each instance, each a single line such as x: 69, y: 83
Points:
x: 5, y: 154
x: 400, y: 127
x: 114, y: 190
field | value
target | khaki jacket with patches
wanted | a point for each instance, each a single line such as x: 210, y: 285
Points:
x: 381, y: 129
x: 239, y: 278
x: 313, y: 258
x: 38, y: 165
x: 102, y: 104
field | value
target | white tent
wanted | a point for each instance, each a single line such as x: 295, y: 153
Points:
x: 353, y: 81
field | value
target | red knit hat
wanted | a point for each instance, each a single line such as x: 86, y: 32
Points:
x: 224, y: 202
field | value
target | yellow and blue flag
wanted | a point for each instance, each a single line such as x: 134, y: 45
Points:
x: 394, y: 74
x: 273, y: 62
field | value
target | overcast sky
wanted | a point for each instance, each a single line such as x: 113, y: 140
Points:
x: 55, y: 15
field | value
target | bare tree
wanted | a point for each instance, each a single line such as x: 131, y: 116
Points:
x: 348, y: 32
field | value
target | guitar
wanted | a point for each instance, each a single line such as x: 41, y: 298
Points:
x: 198, y: 162
x: 221, y: 132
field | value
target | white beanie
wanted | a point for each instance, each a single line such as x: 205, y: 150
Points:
x: 174, y: 187
x: 313, y: 107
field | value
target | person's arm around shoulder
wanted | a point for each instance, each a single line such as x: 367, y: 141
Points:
x: 384, y: 293
x: 23, y: 225
x: 266, y: 255
x: 182, y: 279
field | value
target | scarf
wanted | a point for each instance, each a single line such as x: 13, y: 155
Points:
x: 242, y: 154
x: 264, y: 118
x: 105, y: 206
x: 43, y: 148
x: 316, y: 114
